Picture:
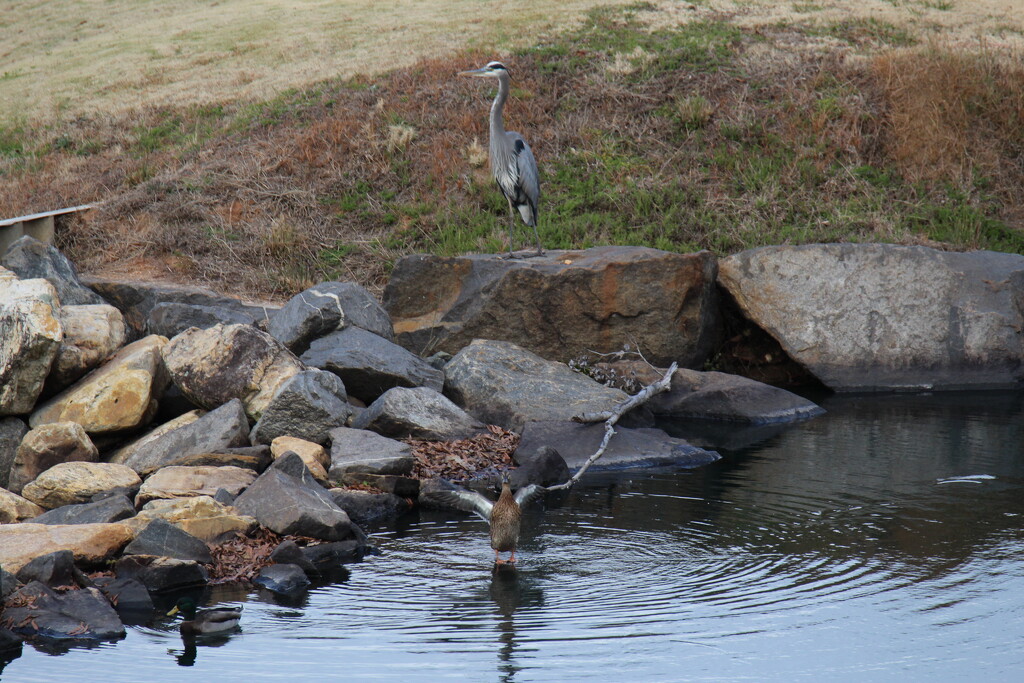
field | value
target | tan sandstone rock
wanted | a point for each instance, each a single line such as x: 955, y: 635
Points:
x: 92, y: 333
x: 314, y: 455
x: 201, y: 516
x: 77, y: 482
x: 14, y: 508
x: 30, y: 336
x: 91, y: 543
x: 118, y: 396
x: 187, y: 482
x: 49, y: 445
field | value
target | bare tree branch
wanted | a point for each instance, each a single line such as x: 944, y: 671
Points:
x: 611, y: 417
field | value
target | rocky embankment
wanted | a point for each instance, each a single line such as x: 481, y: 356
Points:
x: 144, y: 427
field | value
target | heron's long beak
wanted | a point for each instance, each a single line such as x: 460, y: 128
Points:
x: 174, y: 610
x: 475, y: 72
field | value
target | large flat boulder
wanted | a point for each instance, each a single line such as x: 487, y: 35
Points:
x: 644, y: 447
x: 91, y: 543
x: 46, y: 446
x: 369, y: 365
x: 307, y: 406
x: 30, y: 337
x: 418, y: 413
x: 327, y: 307
x: 222, y: 428
x: 118, y: 396
x: 887, y: 317
x: 30, y: 258
x: 731, y: 398
x: 501, y: 383
x: 112, y: 508
x: 224, y: 362
x: 136, y: 300
x: 561, y: 304
x: 92, y: 333
x: 69, y: 483
x: 187, y: 482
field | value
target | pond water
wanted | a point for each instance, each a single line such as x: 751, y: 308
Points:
x: 881, y: 541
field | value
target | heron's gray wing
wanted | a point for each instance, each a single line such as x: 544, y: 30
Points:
x: 470, y: 501
x: 523, y: 167
x: 528, y: 493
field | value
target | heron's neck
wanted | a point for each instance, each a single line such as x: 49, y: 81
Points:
x: 497, y: 125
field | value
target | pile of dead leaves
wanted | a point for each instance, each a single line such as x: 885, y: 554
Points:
x: 242, y: 558
x: 466, y: 458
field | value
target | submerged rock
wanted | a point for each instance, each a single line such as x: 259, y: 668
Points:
x: 576, y: 442
x: 37, y: 611
x: 283, y: 579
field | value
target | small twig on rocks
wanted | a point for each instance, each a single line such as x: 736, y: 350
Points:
x: 611, y: 417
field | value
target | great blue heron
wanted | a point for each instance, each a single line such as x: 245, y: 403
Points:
x: 512, y: 162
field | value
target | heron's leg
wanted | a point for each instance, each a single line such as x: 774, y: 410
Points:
x: 536, y: 233
x: 511, y: 227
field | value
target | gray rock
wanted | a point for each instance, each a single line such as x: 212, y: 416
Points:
x: 324, y: 556
x: 718, y: 396
x: 225, y: 362
x: 171, y: 318
x: 503, y: 384
x: 576, y: 442
x: 289, y: 504
x: 307, y: 406
x: 561, y: 304
x: 358, y: 450
x: 46, y: 446
x: 30, y: 258
x: 129, y: 597
x: 365, y: 508
x: 163, y: 539
x: 418, y: 413
x: 10, y: 647
x: 370, y: 365
x: 283, y: 579
x: 30, y: 337
x: 103, y: 511
x: 12, y: 431
x: 76, y: 615
x: 327, y: 307
x: 288, y: 552
x: 544, y: 467
x: 223, y: 428
x: 887, y: 317
x: 161, y: 574
x: 52, y: 569
x: 136, y: 300
x: 8, y: 583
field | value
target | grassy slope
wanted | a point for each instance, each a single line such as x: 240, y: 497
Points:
x: 719, y: 133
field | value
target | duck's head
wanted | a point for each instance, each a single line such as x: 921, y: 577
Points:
x: 187, y: 607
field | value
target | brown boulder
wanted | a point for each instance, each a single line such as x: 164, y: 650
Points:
x: 561, y: 304
x: 46, y: 446
x: 91, y: 543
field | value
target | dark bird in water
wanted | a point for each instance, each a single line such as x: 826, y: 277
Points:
x: 503, y: 515
x: 512, y: 162
x: 205, y: 621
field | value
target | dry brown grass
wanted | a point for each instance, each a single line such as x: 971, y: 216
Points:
x: 953, y: 113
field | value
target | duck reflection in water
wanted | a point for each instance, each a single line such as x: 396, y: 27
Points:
x: 510, y: 591
x: 187, y: 655
x: 209, y: 625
